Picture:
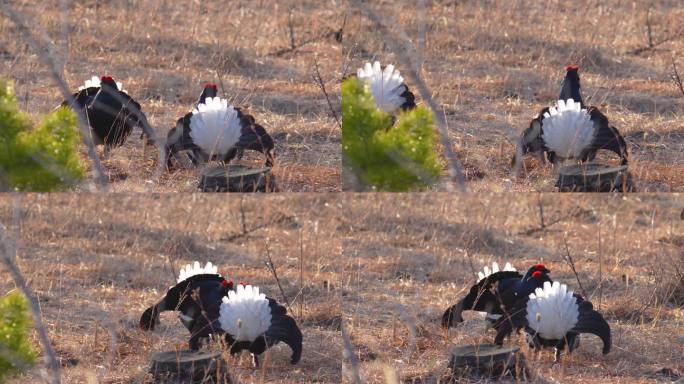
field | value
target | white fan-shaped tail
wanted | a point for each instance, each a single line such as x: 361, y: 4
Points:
x: 495, y: 268
x: 196, y: 269
x: 245, y: 313
x: 567, y: 129
x: 215, y: 126
x: 386, y: 86
x: 552, y: 311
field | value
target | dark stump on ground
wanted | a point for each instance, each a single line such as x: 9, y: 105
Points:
x: 487, y: 360
x: 237, y: 178
x: 594, y: 177
x: 187, y: 366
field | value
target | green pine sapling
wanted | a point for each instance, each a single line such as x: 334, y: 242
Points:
x: 383, y: 157
x: 38, y: 159
x: 16, y: 351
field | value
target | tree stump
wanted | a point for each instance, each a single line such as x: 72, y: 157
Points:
x: 187, y: 366
x: 237, y: 178
x: 594, y: 177
x: 486, y: 360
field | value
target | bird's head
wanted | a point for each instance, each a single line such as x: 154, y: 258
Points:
x: 570, y: 88
x: 537, y: 275
x: 108, y: 81
x: 209, y: 90
x: 227, y: 285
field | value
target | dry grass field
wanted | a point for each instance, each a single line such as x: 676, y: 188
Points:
x: 493, y: 65
x: 409, y: 257
x: 163, y: 51
x: 95, y: 273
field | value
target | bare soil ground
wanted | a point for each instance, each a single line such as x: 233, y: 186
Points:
x: 493, y: 65
x: 96, y: 264
x: 163, y: 51
x: 409, y: 257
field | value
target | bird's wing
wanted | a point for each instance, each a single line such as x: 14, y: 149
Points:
x: 479, y: 298
x: 83, y: 97
x: 284, y: 328
x: 514, y: 319
x: 276, y: 309
x: 254, y: 137
x: 590, y: 321
x: 452, y: 314
x: 409, y: 99
x: 173, y: 300
x: 607, y: 137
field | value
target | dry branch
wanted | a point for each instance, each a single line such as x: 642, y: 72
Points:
x: 677, y: 80
x: 571, y: 262
x: 348, y: 353
x: 8, y: 251
x: 271, y: 266
x: 321, y: 84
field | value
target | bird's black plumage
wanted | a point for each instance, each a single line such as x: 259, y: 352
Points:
x: 198, y: 299
x: 607, y: 137
x: 409, y: 99
x: 496, y: 293
x: 253, y: 137
x: 112, y: 114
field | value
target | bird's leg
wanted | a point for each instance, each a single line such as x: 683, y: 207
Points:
x: 106, y: 152
x: 255, y: 360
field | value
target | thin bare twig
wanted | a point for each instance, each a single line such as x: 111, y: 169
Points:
x: 348, y: 353
x: 541, y: 212
x: 675, y: 77
x: 8, y: 251
x: 290, y: 27
x: 649, y: 30
x: 243, y: 219
x: 272, y: 268
x: 319, y: 80
x: 571, y: 262
x: 401, y: 49
x: 301, y: 271
x: 42, y: 48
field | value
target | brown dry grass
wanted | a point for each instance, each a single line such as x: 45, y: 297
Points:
x: 96, y: 264
x: 492, y: 65
x: 163, y: 51
x: 409, y: 257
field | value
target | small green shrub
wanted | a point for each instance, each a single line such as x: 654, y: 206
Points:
x: 16, y: 352
x: 383, y: 157
x: 41, y: 159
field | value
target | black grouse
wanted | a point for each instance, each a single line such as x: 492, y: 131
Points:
x: 496, y: 292
x: 216, y: 130
x: 111, y: 112
x: 571, y: 130
x: 554, y: 317
x: 388, y: 88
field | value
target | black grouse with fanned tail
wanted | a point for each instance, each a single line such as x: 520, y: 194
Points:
x: 253, y: 322
x: 572, y: 130
x: 112, y: 113
x: 554, y: 317
x: 215, y: 130
x: 496, y: 292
